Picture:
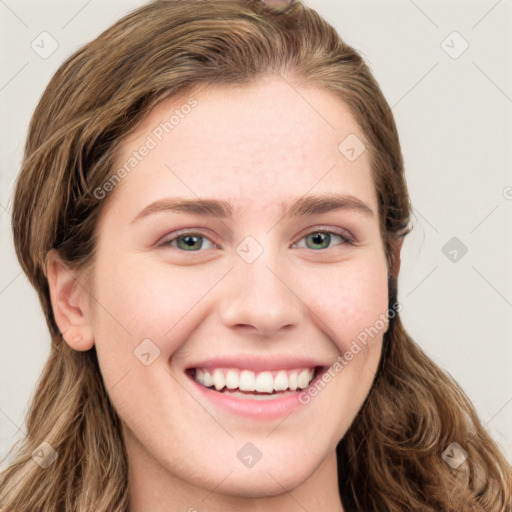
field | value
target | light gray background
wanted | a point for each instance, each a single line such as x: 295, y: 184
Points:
x: 454, y: 117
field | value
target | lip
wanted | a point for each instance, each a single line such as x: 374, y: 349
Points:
x: 258, y: 363
x: 256, y: 409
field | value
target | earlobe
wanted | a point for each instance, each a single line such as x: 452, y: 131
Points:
x: 69, y: 303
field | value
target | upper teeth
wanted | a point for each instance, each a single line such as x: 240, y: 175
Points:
x: 247, y: 380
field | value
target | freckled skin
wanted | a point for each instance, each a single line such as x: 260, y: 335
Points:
x: 258, y: 147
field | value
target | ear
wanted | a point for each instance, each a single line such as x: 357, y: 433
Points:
x: 70, y: 303
x: 397, y: 249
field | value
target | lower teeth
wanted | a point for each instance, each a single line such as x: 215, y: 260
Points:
x: 255, y: 396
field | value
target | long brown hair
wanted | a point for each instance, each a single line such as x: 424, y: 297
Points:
x: 391, y: 457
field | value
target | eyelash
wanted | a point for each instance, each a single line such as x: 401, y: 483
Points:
x: 344, y: 237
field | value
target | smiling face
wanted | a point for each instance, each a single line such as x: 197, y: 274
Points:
x: 242, y: 282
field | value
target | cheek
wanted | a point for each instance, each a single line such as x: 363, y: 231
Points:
x: 352, y: 302
x: 137, y: 298
x: 141, y: 297
x: 350, y: 308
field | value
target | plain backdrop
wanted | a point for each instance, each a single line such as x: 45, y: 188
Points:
x: 445, y: 68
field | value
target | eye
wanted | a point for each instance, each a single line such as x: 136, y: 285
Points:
x: 189, y: 242
x: 193, y: 242
x: 321, y: 239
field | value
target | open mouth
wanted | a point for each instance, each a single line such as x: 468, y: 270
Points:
x: 247, y: 383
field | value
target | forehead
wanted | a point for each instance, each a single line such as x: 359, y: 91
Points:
x: 254, y: 144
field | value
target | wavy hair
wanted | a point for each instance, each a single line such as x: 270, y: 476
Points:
x: 390, y: 459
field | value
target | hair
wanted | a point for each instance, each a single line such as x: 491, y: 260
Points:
x: 390, y: 459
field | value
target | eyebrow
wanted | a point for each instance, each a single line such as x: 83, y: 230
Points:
x: 300, y: 207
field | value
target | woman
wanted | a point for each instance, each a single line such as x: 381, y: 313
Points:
x: 214, y: 348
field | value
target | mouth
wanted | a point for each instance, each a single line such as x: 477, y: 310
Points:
x: 248, y: 384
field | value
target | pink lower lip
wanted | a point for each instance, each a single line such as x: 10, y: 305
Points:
x: 255, y: 409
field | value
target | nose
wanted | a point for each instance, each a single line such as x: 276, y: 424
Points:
x: 260, y: 297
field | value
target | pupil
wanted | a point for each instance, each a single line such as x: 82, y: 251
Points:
x: 190, y: 241
x: 318, y: 237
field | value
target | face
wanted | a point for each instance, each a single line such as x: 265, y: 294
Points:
x: 265, y: 296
